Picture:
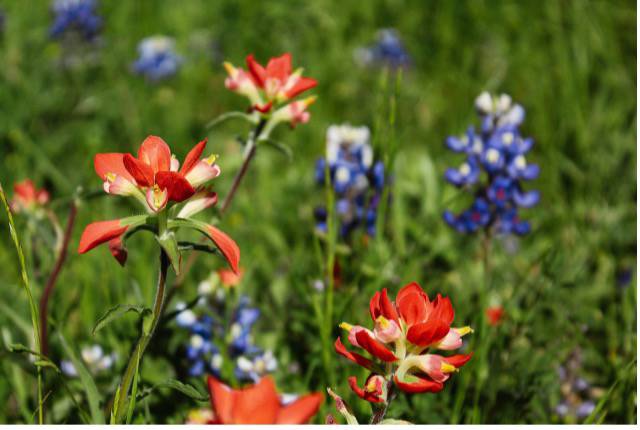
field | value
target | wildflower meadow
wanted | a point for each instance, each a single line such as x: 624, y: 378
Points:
x: 323, y: 212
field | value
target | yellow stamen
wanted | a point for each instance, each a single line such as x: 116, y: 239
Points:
x: 229, y: 68
x: 346, y: 326
x: 211, y: 159
x: 371, y: 386
x: 463, y: 330
x: 448, y: 368
x: 384, y: 323
x: 110, y: 177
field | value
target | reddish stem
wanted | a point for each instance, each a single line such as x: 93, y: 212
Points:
x: 53, y: 277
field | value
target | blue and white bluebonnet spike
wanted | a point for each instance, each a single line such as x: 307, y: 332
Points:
x: 498, y: 150
x: 157, y: 58
x: 75, y: 16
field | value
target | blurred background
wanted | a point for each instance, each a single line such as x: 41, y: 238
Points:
x: 568, y: 289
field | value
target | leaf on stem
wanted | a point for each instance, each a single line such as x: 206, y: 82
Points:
x: 117, y: 312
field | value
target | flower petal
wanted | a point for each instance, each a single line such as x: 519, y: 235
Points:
x: 100, y: 232
x: 279, y: 67
x: 112, y: 162
x: 353, y: 356
x: 257, y: 404
x: 360, y: 392
x: 221, y: 400
x: 374, y: 347
x: 227, y: 246
x: 417, y: 384
x: 177, y: 186
x: 301, y: 410
x: 413, y: 304
x: 118, y: 250
x: 424, y: 334
x: 141, y: 172
x: 303, y: 84
x: 458, y: 360
x: 193, y: 157
x: 258, y: 73
x: 156, y: 153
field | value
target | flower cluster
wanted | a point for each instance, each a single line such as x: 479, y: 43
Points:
x: 214, y: 339
x: 93, y: 357
x: 27, y: 198
x: 402, y: 344
x: 578, y: 396
x: 171, y: 194
x: 77, y: 16
x: 157, y: 58
x: 356, y: 179
x: 387, y: 51
x: 499, y: 150
x: 271, y: 90
x: 258, y: 404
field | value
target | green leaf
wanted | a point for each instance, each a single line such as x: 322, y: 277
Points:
x: 169, y: 243
x: 118, y: 311
x: 186, y: 389
x: 134, y: 389
x: 17, y: 319
x: 93, y: 397
x: 229, y: 115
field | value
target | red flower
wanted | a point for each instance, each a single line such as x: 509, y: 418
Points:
x: 259, y: 404
x: 26, y: 197
x: 494, y: 315
x: 228, y: 278
x: 270, y: 85
x: 403, y: 334
x: 154, y: 175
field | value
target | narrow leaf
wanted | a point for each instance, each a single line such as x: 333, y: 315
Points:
x: 117, y: 312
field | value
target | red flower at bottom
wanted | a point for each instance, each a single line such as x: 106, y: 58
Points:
x: 259, y: 404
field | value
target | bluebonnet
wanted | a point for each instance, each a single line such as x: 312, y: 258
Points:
x: 388, y: 50
x: 157, y: 58
x: 214, y: 338
x: 77, y: 16
x: 356, y: 178
x: 498, y: 150
x: 93, y: 357
x: 578, y: 396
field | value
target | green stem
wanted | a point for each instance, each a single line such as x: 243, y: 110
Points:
x: 379, y: 414
x: 249, y: 153
x: 32, y: 306
x: 120, y: 404
x: 327, y: 325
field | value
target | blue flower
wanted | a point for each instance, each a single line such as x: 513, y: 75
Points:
x: 75, y: 15
x: 356, y: 179
x: 498, y: 151
x: 211, y: 338
x: 253, y: 368
x: 388, y: 50
x: 157, y: 58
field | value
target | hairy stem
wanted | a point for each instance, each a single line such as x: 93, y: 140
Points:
x: 53, y: 277
x: 143, y: 342
x: 379, y: 414
x: 250, y: 152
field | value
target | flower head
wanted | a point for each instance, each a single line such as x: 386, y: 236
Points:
x: 405, y: 337
x: 155, y: 179
x: 27, y: 198
x: 272, y: 89
x: 388, y: 50
x: 157, y: 58
x: 75, y: 16
x: 499, y: 151
x: 259, y: 404
x: 356, y: 177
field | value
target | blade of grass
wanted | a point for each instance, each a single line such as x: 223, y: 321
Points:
x: 93, y: 397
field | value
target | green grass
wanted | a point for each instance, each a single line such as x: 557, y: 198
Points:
x: 571, y: 64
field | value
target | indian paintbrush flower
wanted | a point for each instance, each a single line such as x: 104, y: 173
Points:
x: 171, y: 194
x: 27, y: 198
x: 259, y: 404
x: 403, y: 344
x: 272, y: 90
x: 499, y: 150
x: 157, y: 58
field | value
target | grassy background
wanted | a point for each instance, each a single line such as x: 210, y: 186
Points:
x: 571, y: 64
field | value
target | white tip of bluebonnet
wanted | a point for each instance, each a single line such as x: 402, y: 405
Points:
x: 92, y: 354
x: 513, y: 116
x: 287, y: 398
x: 318, y: 285
x: 484, y: 103
x: 186, y: 318
x: 205, y: 288
x: 503, y: 103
